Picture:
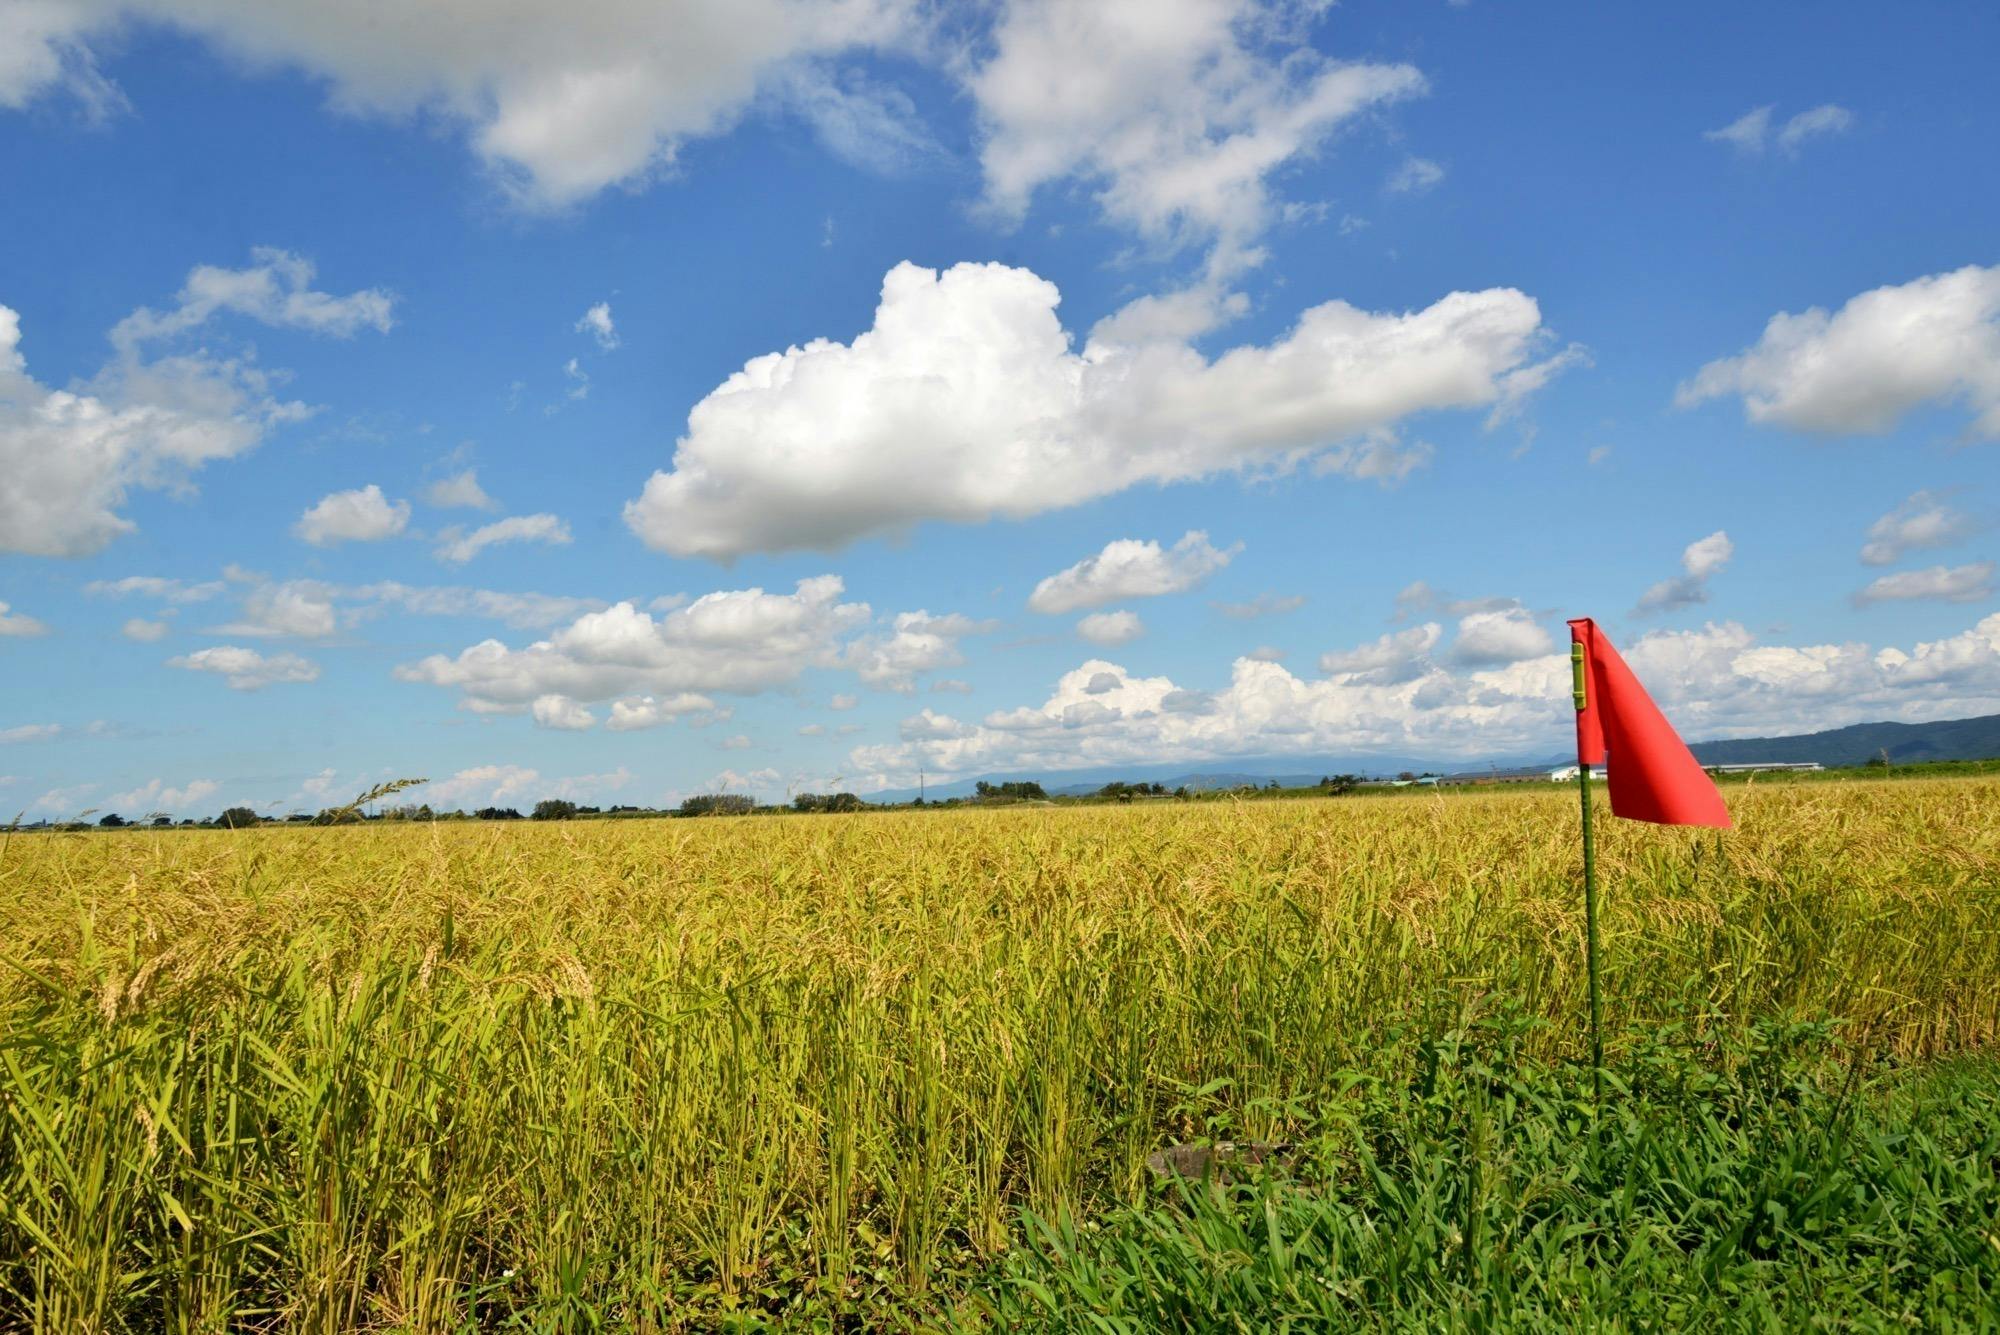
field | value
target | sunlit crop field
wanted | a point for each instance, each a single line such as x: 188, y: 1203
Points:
x: 652, y: 1074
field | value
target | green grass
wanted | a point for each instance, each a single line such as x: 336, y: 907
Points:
x: 1777, y: 1185
x: 810, y: 1072
x: 1923, y: 769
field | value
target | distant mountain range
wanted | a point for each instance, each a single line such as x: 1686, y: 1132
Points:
x: 1905, y: 743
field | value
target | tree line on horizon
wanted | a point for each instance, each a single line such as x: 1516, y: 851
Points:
x: 984, y: 793
x: 701, y: 804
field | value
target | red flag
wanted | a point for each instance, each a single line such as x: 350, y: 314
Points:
x: 1653, y: 776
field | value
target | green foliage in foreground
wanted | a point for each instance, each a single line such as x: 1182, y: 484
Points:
x: 1765, y: 1189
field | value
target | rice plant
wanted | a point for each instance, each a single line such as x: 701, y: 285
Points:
x: 857, y: 1071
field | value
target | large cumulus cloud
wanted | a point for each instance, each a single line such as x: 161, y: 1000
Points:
x: 966, y: 401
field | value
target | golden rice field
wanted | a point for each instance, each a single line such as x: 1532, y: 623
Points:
x: 811, y: 1070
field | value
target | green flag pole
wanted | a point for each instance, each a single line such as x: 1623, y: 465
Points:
x: 1589, y: 893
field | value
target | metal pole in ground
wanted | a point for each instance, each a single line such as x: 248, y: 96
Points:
x: 1590, y: 940
x: 1589, y: 888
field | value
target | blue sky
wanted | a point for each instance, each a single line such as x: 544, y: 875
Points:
x: 626, y: 400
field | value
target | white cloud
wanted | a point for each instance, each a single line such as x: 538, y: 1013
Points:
x: 843, y: 702
x: 597, y: 323
x: 1089, y: 713
x: 1418, y: 596
x: 301, y: 609
x: 739, y: 642
x: 1921, y: 522
x: 245, y: 669
x: 1263, y: 605
x: 313, y: 609
x: 1396, y: 657
x: 1100, y: 713
x: 1707, y: 556
x: 519, y: 786
x: 951, y: 686
x: 1751, y: 132
x: 144, y: 631
x: 69, y: 457
x: 927, y: 724
x: 460, y: 491
x: 362, y: 515
x: 918, y: 643
x: 1953, y: 584
x: 155, y: 587
x: 1747, y: 133
x: 1415, y: 176
x: 458, y: 548
x: 527, y: 611
x: 276, y: 290
x: 155, y: 795
x: 485, y: 785
x: 1489, y: 639
x: 19, y: 624
x: 1715, y: 681
x: 644, y: 711
x: 573, y: 371
x: 39, y: 51
x: 1028, y: 719
x: 739, y: 742
x: 1165, y: 317
x: 1959, y: 669
x: 559, y: 102
x: 29, y: 732
x: 64, y: 801
x: 319, y: 789
x: 1703, y: 558
x: 1519, y: 386
x: 1111, y: 628
x: 1130, y: 568
x: 964, y: 401
x: 1821, y: 120
x: 561, y: 712
x: 813, y: 730
x: 873, y: 125
x: 1933, y: 340
x: 593, y: 787
x: 757, y: 783
x: 1177, y: 112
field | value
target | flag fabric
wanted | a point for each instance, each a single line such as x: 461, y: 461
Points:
x: 1652, y: 774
